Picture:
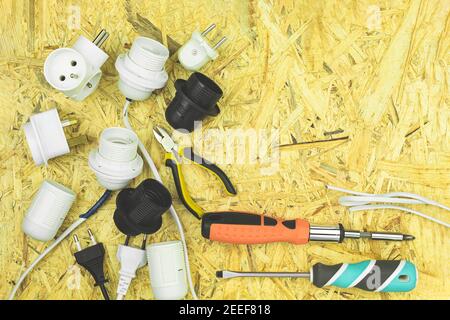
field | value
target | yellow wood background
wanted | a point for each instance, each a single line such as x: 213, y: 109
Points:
x: 377, y: 70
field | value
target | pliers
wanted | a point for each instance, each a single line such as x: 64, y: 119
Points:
x: 173, y: 160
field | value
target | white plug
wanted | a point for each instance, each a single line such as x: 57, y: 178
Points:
x: 47, y: 211
x: 167, y: 270
x: 141, y: 69
x: 45, y: 136
x: 130, y: 260
x: 76, y: 71
x: 195, y: 53
x: 116, y: 161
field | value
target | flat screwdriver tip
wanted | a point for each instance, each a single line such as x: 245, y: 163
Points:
x: 219, y: 274
x: 408, y: 237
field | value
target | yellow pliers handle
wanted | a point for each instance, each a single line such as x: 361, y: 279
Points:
x: 174, y: 164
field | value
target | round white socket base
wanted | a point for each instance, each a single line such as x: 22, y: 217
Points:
x: 116, y: 161
x: 132, y: 92
x: 45, y: 136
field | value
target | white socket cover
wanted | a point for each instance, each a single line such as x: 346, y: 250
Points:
x: 45, y: 136
x: 168, y: 277
x: 195, y: 53
x: 116, y: 161
x: 141, y: 69
x: 75, y: 71
x: 47, y: 211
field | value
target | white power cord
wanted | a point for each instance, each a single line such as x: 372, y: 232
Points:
x: 367, y: 201
x: 64, y: 235
x: 172, y: 211
x: 130, y: 260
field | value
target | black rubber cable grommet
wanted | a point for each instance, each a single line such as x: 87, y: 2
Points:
x: 195, y: 99
x: 140, y: 210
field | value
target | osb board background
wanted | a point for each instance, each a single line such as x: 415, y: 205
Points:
x: 303, y: 67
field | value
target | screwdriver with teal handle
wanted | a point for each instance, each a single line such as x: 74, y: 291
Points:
x: 369, y: 275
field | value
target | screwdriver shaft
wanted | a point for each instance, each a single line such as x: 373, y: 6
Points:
x: 378, y: 235
x: 226, y: 274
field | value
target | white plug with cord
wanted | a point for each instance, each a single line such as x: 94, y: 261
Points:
x: 197, y: 52
x: 130, y: 259
x: 82, y: 219
x: 141, y: 69
x: 45, y: 136
x: 116, y: 161
x: 76, y: 71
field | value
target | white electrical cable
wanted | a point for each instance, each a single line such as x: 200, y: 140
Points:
x: 367, y: 201
x: 156, y: 175
x: 64, y: 235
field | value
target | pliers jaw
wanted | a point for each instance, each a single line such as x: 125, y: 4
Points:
x: 165, y: 139
x: 174, y: 160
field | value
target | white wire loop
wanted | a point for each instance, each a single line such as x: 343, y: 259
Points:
x: 359, y: 201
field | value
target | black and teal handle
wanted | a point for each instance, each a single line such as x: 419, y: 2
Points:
x: 370, y: 275
x: 189, y: 153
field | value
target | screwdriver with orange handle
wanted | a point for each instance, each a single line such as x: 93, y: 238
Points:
x: 249, y: 228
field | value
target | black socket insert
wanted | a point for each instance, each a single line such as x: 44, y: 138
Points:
x: 140, y: 210
x: 196, y: 98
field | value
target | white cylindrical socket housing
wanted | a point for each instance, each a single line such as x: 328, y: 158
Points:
x: 141, y: 70
x: 168, y: 277
x: 75, y: 71
x: 45, y: 136
x: 116, y: 160
x: 47, y: 211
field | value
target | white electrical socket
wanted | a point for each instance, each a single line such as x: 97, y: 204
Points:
x: 141, y: 69
x: 116, y: 162
x: 76, y: 71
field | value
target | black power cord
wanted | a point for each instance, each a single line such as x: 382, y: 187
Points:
x: 92, y: 259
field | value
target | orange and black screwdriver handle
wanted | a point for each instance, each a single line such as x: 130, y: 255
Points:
x: 249, y: 228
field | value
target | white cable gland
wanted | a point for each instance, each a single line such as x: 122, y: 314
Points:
x: 47, y: 211
x: 141, y: 69
x: 75, y: 71
x: 116, y: 161
x: 167, y: 270
x: 45, y: 136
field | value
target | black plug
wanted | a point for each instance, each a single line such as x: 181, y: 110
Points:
x: 92, y: 259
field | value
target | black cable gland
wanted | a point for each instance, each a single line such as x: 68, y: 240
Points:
x: 195, y: 99
x: 140, y: 210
